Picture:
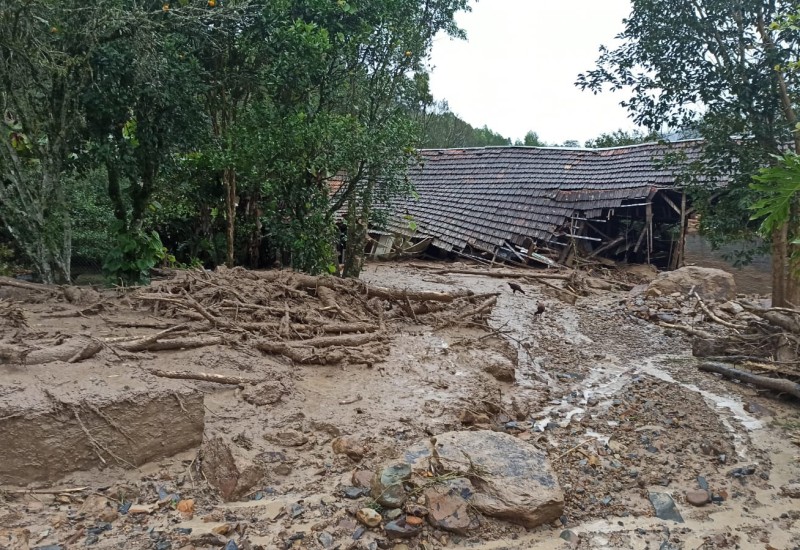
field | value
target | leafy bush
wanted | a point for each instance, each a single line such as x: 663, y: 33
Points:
x: 135, y: 254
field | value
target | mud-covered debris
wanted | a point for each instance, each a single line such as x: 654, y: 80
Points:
x: 227, y: 469
x: 791, y: 490
x: 286, y: 438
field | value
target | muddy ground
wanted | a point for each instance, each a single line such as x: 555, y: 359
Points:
x: 615, y: 402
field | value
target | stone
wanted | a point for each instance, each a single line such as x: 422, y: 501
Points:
x: 325, y: 539
x: 354, y: 492
x: 369, y: 517
x: 697, y: 498
x: 758, y: 410
x: 501, y: 369
x: 266, y: 393
x: 570, y: 536
x: 353, y: 447
x: 517, y: 482
x: 732, y: 307
x: 228, y: 470
x: 142, y: 509
x: 387, y: 485
x: 362, y: 478
x: 448, y: 506
x: 393, y: 513
x: 399, y: 529
x: 287, y: 438
x: 97, y: 506
x: 664, y: 507
x: 709, y: 283
x: 186, y: 508
x: 791, y: 490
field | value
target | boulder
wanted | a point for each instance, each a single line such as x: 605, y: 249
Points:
x: 709, y: 283
x: 512, y: 479
x: 500, y: 368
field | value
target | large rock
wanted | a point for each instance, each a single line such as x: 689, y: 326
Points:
x: 711, y: 284
x: 512, y: 479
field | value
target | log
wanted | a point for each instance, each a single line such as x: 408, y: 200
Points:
x: 8, y: 281
x: 349, y: 340
x: 177, y: 343
x: 204, y: 377
x: 779, y: 385
x: 415, y: 295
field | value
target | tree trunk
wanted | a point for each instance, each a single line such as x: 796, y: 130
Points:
x: 356, y: 240
x: 779, y: 268
x: 229, y: 181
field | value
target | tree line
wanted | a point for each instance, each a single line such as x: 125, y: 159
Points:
x: 209, y: 128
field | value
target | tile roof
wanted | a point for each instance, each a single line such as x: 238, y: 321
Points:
x: 484, y: 196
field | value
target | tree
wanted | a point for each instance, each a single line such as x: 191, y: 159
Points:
x: 620, y: 138
x: 43, y: 49
x: 532, y: 140
x: 710, y: 65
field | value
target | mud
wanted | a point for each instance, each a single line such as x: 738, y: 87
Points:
x: 615, y: 402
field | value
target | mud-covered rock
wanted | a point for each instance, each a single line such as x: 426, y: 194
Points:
x: 266, y: 393
x: 500, y: 368
x: 709, y: 283
x: 517, y: 483
x: 226, y: 469
x: 353, y: 447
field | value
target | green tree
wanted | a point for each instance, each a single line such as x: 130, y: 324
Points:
x: 710, y: 65
x: 532, y: 140
x: 620, y: 138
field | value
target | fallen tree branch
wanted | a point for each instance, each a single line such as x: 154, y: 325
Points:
x: 779, y: 385
x: 689, y: 330
x: 204, y: 377
x: 713, y: 316
x: 177, y: 343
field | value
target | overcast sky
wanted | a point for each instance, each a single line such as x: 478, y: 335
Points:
x: 517, y: 69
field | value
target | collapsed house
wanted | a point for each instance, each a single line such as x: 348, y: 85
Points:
x: 543, y: 205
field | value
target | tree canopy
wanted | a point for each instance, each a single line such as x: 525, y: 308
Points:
x: 209, y: 132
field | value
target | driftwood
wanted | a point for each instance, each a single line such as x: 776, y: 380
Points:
x: 779, y: 385
x: 204, y: 377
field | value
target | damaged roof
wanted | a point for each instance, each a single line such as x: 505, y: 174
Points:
x: 485, y: 196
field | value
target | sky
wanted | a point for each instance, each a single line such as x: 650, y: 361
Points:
x: 516, y: 70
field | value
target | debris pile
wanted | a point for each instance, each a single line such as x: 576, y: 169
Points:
x: 725, y: 329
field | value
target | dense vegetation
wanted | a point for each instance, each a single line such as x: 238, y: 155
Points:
x: 206, y: 131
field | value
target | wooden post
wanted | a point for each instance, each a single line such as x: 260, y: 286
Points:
x: 681, y: 246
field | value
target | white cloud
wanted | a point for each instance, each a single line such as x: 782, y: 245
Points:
x: 516, y: 72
